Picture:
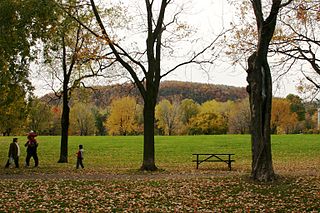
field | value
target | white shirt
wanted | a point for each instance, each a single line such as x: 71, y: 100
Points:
x: 18, y: 147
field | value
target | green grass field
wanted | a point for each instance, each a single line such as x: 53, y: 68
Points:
x: 119, y: 154
x: 111, y: 181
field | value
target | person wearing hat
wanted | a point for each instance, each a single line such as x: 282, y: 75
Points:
x: 32, y: 146
x: 14, y: 153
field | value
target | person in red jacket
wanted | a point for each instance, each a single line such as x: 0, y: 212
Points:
x: 14, y: 153
x: 80, y: 157
x: 32, y: 146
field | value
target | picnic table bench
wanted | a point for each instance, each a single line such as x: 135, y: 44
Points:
x: 213, y: 158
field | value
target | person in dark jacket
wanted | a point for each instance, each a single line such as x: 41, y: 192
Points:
x: 32, y: 146
x: 80, y: 157
x: 14, y: 153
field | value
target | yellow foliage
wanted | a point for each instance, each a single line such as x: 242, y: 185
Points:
x: 216, y: 107
x: 123, y: 117
x: 167, y: 115
x: 207, y: 123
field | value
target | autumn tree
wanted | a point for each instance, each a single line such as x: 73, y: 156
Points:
x: 222, y: 109
x: 69, y: 60
x: 39, y: 116
x: 166, y: 115
x: 123, y: 117
x: 283, y: 120
x: 211, y: 119
x: 260, y: 91
x: 82, y: 120
x: 13, y: 112
x: 144, y: 65
x: 294, y: 46
x: 188, y: 109
x: 55, y: 124
x: 297, y: 106
x: 22, y: 24
x: 239, y: 118
x: 298, y: 40
x: 207, y: 123
x: 100, y: 115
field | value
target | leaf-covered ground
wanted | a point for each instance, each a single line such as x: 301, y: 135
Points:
x: 160, y: 192
x: 110, y: 181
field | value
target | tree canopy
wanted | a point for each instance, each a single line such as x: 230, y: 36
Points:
x: 22, y: 24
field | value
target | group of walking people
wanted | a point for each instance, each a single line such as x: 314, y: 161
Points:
x: 32, y: 145
x: 14, y: 151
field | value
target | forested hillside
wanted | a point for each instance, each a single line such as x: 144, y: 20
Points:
x: 199, y: 92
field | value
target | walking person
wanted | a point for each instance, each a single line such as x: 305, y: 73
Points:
x: 14, y: 153
x: 32, y: 146
x: 80, y: 157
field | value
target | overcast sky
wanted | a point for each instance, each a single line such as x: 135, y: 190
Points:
x: 210, y: 17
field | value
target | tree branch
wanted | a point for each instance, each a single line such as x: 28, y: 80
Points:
x: 312, y: 81
x: 116, y: 53
x: 286, y: 3
x: 193, y: 59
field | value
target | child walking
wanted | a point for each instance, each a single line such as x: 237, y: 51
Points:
x: 80, y: 157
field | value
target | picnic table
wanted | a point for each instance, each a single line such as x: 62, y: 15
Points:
x: 200, y: 158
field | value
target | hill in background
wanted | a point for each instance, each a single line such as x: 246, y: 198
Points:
x: 201, y: 92
x: 172, y: 90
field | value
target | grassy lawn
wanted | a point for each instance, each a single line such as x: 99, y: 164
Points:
x: 111, y: 181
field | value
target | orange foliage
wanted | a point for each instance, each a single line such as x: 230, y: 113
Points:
x: 282, y: 119
x: 302, y: 13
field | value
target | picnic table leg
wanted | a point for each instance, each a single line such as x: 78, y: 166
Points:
x: 197, y: 161
x: 229, y: 163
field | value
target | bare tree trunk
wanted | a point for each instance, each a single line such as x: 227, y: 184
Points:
x: 260, y: 96
x: 148, y: 139
x: 65, y: 108
x: 64, y: 129
x: 260, y: 92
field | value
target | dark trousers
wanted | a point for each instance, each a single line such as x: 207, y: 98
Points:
x: 79, y: 163
x: 35, y: 158
x: 16, y: 162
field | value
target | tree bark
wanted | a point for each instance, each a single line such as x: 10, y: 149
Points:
x: 260, y: 93
x: 65, y: 120
x: 260, y: 96
x: 148, y: 163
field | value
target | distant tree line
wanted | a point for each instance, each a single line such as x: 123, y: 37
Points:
x: 174, y: 116
x: 102, y: 96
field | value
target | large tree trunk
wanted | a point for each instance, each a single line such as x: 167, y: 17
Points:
x: 148, y: 139
x: 260, y: 92
x: 65, y: 108
x: 64, y: 129
x: 260, y: 96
